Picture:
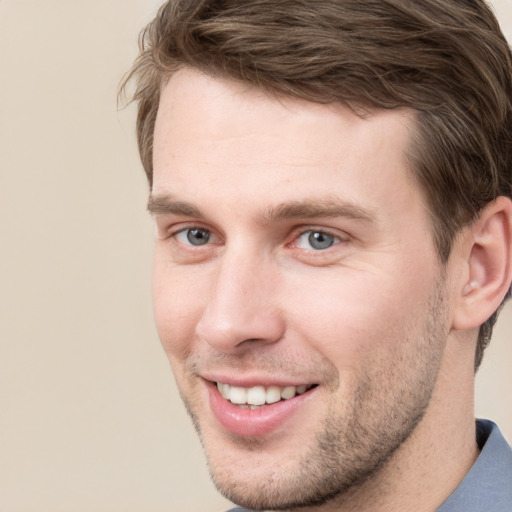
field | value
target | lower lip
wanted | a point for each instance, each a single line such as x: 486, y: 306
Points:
x: 254, y: 422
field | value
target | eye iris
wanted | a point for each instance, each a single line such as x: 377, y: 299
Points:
x: 198, y: 236
x: 319, y: 240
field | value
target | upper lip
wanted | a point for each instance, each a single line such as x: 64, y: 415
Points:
x: 249, y: 381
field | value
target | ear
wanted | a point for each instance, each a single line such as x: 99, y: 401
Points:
x: 487, y: 252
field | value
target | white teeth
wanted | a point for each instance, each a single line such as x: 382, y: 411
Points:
x: 273, y: 394
x: 258, y: 395
x: 224, y: 390
x: 237, y: 395
x: 288, y: 392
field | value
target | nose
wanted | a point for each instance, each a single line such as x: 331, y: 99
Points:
x: 240, y: 311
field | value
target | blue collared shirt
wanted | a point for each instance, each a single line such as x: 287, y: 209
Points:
x: 488, y: 485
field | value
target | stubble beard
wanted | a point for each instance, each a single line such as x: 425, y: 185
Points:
x: 349, y: 449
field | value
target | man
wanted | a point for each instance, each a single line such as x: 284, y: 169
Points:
x: 330, y: 183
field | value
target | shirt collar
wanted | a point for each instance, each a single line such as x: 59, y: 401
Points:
x: 488, y: 484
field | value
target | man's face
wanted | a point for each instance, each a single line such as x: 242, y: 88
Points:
x: 294, y: 265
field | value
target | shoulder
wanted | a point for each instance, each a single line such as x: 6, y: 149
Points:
x: 488, y: 484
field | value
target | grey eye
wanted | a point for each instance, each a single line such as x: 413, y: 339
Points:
x: 318, y: 240
x: 198, y: 236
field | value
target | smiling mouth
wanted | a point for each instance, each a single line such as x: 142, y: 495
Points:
x: 258, y: 396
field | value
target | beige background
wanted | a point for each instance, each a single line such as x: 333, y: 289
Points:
x: 89, y: 417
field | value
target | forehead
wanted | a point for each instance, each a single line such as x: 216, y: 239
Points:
x: 222, y: 137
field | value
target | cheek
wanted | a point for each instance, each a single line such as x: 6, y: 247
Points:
x: 350, y: 321
x: 177, y: 307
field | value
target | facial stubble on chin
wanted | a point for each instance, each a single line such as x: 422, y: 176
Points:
x: 349, y: 449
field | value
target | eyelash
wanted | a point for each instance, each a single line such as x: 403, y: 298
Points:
x: 315, y: 231
x: 295, y: 243
x: 186, y: 231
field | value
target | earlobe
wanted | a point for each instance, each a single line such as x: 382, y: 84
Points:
x: 488, y: 255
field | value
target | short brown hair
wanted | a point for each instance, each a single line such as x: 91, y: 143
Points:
x: 447, y: 59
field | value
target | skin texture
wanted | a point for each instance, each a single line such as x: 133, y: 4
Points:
x: 368, y: 319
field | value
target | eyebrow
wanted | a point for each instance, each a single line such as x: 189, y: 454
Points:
x: 305, y: 209
x: 310, y: 208
x: 167, y: 205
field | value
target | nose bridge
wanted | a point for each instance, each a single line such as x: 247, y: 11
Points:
x: 240, y: 306
x: 237, y: 273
